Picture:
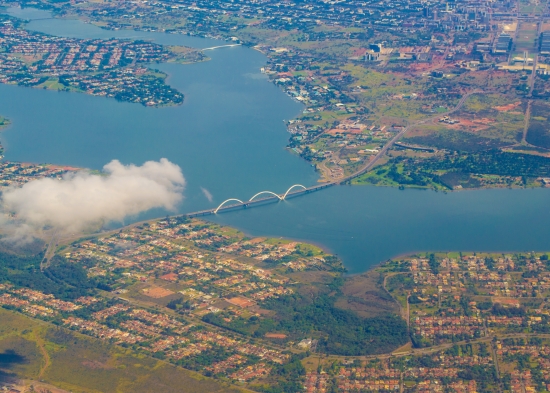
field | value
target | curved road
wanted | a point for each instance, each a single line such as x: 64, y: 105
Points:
x: 388, y: 145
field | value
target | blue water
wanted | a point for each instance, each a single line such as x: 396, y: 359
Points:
x: 366, y: 225
x: 42, y: 21
x: 229, y: 138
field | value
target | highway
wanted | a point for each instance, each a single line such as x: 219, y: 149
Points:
x: 272, y: 197
x: 437, y: 348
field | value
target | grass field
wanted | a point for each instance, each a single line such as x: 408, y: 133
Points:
x: 539, y: 132
x: 34, y: 350
x: 526, y: 36
x: 485, y: 121
x: 53, y: 84
x: 532, y: 6
x: 494, y: 116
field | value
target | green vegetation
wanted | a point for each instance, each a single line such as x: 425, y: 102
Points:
x: 493, y: 162
x: 285, y: 378
x: 62, y: 279
x: 340, y: 331
x: 456, y: 141
x: 538, y: 133
x: 31, y: 349
x: 397, y: 174
x: 310, y: 305
x: 468, y: 170
x: 494, y: 116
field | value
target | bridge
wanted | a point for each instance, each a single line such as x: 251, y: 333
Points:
x: 221, y: 46
x: 261, y: 197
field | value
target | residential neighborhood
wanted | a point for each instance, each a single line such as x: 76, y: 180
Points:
x: 191, y: 292
x: 110, y: 68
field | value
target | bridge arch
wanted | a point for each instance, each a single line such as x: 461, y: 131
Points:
x: 224, y: 202
x: 290, y: 189
x: 265, y: 192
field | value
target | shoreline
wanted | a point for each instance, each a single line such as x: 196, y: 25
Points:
x: 420, y: 188
x: 68, y: 90
x: 449, y: 190
x: 258, y: 47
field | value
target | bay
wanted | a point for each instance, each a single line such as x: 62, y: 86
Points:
x: 229, y: 138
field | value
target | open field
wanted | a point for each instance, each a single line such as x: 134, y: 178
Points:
x: 31, y: 350
x: 535, y: 7
x: 526, y: 36
x: 364, y: 294
x: 538, y: 133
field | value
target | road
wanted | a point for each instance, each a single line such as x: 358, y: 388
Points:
x: 533, y: 75
x: 526, y: 121
x: 388, y: 145
x: 260, y: 201
x: 220, y: 46
x: 189, y: 318
x: 438, y: 348
x: 532, y: 78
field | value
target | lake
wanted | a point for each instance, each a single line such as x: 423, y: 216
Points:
x: 229, y: 138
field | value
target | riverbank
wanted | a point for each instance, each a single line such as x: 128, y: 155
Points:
x: 382, y: 177
x: 229, y: 157
x: 217, y: 294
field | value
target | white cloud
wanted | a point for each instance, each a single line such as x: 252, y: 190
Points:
x: 83, y: 200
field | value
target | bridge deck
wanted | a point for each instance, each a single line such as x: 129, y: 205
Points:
x: 221, y: 46
x: 273, y: 198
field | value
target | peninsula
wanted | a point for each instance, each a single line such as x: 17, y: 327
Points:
x: 110, y: 68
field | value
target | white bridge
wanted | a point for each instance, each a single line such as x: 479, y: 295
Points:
x: 257, y: 200
x: 280, y: 197
x: 221, y: 46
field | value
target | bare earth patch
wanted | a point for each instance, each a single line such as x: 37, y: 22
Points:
x: 506, y: 108
x: 275, y: 335
x: 95, y: 364
x: 240, y: 301
x: 157, y: 292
